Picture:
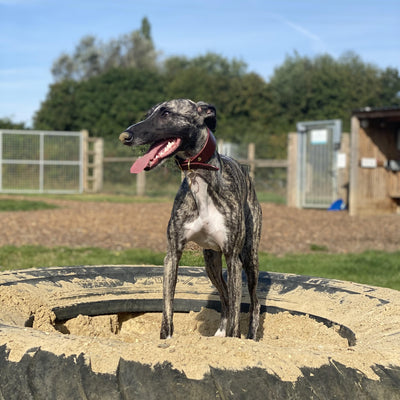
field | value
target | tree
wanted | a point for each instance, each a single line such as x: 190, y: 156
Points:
x: 88, y: 58
x: 104, y: 87
x: 93, y: 57
x: 210, y: 63
x: 7, y: 123
x: 390, y: 92
x: 105, y: 104
x: 86, y: 61
x: 63, y: 68
x: 58, y: 111
x: 324, y: 88
x: 145, y: 29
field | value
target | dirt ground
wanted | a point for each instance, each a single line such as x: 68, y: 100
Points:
x: 123, y: 226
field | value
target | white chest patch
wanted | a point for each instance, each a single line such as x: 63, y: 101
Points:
x: 208, y: 230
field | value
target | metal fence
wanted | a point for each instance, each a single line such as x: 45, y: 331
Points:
x: 319, y: 144
x: 269, y: 175
x: 41, y: 161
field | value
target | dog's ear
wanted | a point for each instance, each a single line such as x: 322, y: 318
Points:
x: 209, y: 113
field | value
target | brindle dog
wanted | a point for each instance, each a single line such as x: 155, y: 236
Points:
x: 216, y: 207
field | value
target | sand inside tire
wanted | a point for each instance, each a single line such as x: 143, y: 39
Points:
x: 193, y: 347
x: 283, y: 328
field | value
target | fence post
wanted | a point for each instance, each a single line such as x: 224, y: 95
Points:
x: 98, y: 148
x: 344, y: 170
x: 141, y: 183
x: 251, y: 156
x: 92, y: 163
x: 353, y: 178
x: 292, y: 194
x: 85, y: 156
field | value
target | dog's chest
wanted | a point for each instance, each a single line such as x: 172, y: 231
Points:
x: 208, y: 228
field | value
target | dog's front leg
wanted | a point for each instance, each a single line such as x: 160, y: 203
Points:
x: 176, y: 243
x: 171, y: 263
x: 234, y: 267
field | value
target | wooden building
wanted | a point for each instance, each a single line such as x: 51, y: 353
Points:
x: 375, y: 161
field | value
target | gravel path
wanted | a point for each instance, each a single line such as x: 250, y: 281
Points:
x: 122, y: 226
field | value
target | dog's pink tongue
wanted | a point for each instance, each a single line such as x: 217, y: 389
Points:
x: 141, y: 163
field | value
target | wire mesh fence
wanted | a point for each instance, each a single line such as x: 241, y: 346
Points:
x: 270, y: 181
x: 40, y: 161
x: 59, y: 162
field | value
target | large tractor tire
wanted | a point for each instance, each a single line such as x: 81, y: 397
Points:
x: 38, y: 362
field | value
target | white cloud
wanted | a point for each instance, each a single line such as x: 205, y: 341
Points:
x: 317, y: 43
x: 302, y: 30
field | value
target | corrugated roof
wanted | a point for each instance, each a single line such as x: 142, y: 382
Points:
x: 377, y: 112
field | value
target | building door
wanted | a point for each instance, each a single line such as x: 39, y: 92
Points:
x: 318, y: 149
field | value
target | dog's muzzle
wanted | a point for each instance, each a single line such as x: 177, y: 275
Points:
x: 126, y: 138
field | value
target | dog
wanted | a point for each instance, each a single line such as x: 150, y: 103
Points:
x: 216, y: 207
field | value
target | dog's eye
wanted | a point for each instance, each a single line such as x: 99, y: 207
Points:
x: 165, y: 113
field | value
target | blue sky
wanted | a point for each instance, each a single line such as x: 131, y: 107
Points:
x: 260, y: 32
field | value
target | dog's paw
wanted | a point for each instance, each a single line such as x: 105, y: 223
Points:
x: 165, y: 335
x: 220, y: 333
x: 166, y: 331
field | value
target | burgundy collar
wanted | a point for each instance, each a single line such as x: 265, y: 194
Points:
x: 200, y: 160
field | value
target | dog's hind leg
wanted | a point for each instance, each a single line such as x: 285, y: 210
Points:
x: 234, y: 267
x: 249, y: 257
x: 213, y: 262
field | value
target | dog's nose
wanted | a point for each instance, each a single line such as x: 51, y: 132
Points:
x: 126, y: 137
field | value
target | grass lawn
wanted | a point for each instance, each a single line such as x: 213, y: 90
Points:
x: 23, y: 205
x: 29, y: 201
x: 377, y: 268
x: 373, y: 267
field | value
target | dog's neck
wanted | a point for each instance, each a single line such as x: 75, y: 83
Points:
x: 201, y: 159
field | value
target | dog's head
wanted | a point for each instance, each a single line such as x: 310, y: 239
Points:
x: 172, y: 127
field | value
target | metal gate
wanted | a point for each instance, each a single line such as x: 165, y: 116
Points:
x: 318, y: 147
x: 41, y: 161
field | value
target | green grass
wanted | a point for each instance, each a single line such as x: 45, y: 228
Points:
x: 13, y: 257
x: 21, y: 205
x: 270, y: 197
x: 376, y: 268
x: 24, y: 205
x: 101, y: 197
x: 373, y: 267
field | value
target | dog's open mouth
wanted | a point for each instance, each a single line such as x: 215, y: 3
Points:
x: 157, y: 152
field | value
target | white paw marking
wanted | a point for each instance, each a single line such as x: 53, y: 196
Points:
x: 220, y: 333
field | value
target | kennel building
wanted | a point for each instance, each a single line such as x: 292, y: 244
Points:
x: 375, y: 161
